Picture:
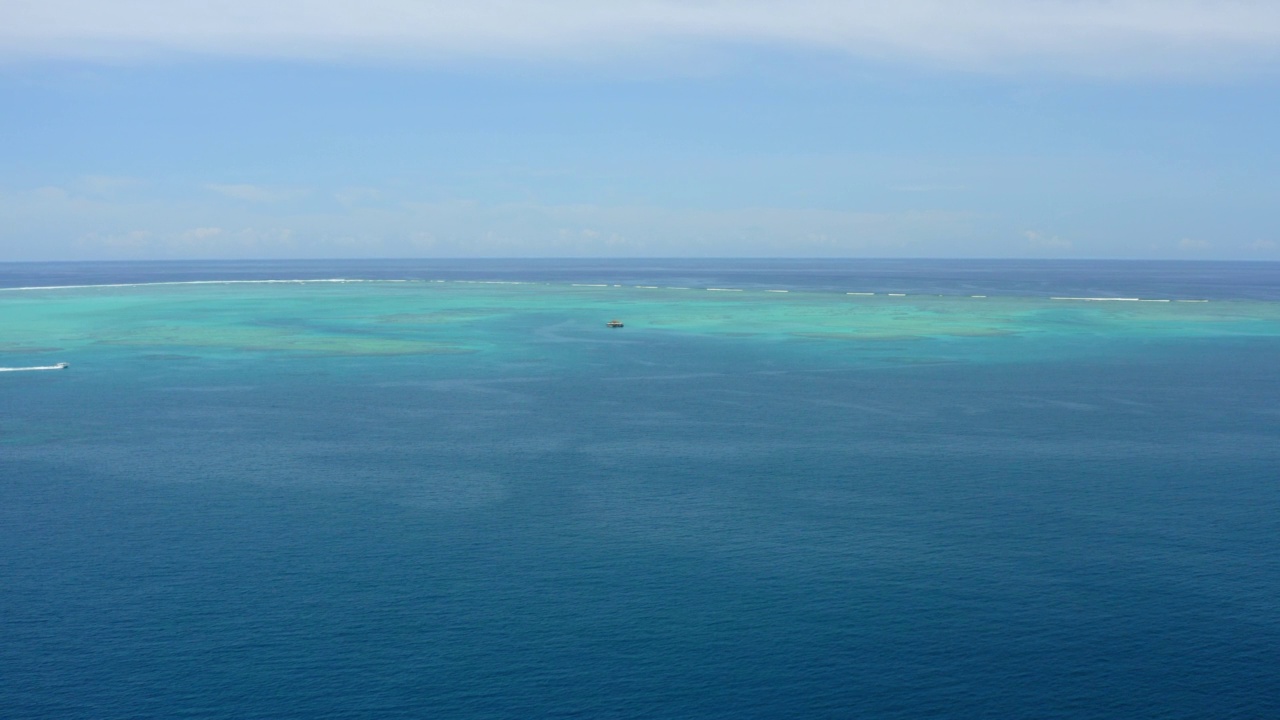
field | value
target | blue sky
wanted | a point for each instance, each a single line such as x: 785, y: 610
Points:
x: 393, y: 129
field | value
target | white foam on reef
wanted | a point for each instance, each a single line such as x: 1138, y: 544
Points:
x: 1123, y: 299
x: 1097, y: 299
x: 38, y: 367
x: 309, y: 281
x: 198, y: 282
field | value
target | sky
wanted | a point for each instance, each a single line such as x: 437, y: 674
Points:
x: 158, y: 129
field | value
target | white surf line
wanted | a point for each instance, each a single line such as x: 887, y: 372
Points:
x: 306, y: 281
x: 201, y: 282
x: 1098, y: 299
x: 37, y: 367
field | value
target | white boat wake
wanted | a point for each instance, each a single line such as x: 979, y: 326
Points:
x: 59, y: 366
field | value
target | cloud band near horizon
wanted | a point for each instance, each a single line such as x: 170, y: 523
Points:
x: 1091, y: 37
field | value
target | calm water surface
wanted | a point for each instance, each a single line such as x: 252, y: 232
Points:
x: 472, y: 500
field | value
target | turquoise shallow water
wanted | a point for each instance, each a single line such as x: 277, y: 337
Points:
x: 501, y: 322
x: 465, y: 499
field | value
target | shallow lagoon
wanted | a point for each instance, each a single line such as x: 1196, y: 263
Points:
x: 495, y: 320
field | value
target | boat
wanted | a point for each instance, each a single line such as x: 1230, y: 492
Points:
x: 63, y: 366
x: 614, y: 324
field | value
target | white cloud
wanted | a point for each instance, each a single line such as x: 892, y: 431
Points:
x: 1193, y: 244
x: 523, y: 229
x: 929, y: 188
x: 1040, y: 241
x: 197, y: 235
x: 352, y: 196
x: 107, y: 184
x: 466, y: 229
x: 50, y: 194
x: 130, y: 242
x: 200, y: 242
x: 256, y: 193
x: 1089, y: 36
x: 50, y: 224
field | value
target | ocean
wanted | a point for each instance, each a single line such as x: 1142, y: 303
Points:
x: 812, y: 489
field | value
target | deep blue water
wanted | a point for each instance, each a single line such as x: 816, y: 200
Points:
x: 319, y: 538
